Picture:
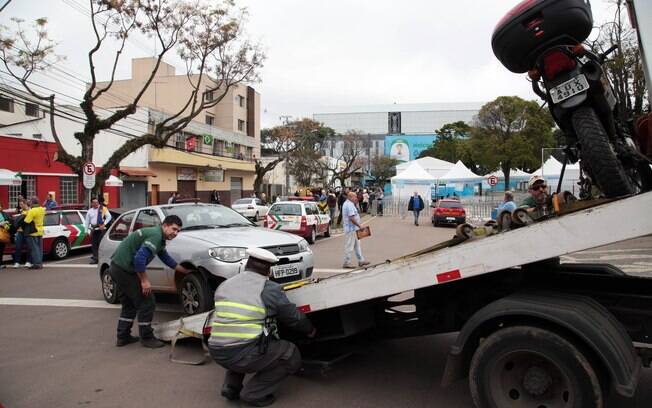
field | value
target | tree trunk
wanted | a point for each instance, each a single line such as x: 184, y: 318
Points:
x: 506, y: 167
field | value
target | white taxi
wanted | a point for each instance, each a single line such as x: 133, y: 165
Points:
x: 303, y: 218
x: 252, y: 208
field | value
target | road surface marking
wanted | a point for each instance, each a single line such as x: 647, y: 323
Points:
x: 69, y: 259
x: 325, y: 270
x: 64, y: 266
x: 82, y: 303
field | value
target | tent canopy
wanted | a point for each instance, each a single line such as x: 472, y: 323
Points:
x: 9, y: 178
x: 460, y: 172
x: 435, y: 167
x: 414, y: 173
x: 513, y: 174
x: 552, y: 167
x: 113, y: 181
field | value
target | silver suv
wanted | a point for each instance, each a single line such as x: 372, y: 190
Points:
x: 212, y: 242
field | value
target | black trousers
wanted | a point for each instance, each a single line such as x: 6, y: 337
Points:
x: 134, y: 304
x: 96, y: 238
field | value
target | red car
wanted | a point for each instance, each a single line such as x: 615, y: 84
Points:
x: 448, y: 211
x: 63, y: 230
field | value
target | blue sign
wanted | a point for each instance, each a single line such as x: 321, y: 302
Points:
x: 407, y: 147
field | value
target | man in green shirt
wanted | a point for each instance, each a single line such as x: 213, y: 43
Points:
x: 128, y: 270
x: 538, y: 190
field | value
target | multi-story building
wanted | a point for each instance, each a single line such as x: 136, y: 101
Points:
x: 215, y: 152
x: 13, y: 110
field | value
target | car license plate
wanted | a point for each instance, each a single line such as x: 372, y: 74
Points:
x: 569, y: 88
x: 450, y: 218
x: 283, y: 271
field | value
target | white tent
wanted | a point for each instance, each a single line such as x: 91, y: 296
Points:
x: 113, y: 181
x: 435, y: 167
x: 460, y: 173
x: 412, y: 179
x: 9, y: 178
x: 551, y: 171
x: 513, y: 174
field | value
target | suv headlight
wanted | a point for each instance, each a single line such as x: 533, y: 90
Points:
x: 228, y: 254
x: 303, y: 246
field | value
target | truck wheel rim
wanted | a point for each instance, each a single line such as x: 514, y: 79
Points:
x: 61, y: 249
x: 108, y: 286
x: 530, y: 379
x: 190, y: 296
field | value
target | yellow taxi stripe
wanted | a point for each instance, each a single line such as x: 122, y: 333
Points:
x: 240, y: 306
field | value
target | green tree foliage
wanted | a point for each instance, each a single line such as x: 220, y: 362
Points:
x: 304, y: 160
x: 510, y: 132
x: 449, y: 143
x: 383, y: 168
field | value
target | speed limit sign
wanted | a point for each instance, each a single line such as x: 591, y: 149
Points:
x: 89, y: 168
x: 492, y: 180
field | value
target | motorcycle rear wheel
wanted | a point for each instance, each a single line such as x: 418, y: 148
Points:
x: 598, y: 156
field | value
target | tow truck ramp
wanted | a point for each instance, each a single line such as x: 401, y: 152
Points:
x: 603, y: 224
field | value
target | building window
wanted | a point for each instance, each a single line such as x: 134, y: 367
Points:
x: 68, y: 188
x: 31, y: 109
x: 218, y: 148
x: 37, y: 136
x: 6, y: 104
x: 208, y: 96
x: 210, y: 120
x: 180, y: 141
x: 250, y: 152
x: 241, y: 125
x: 241, y: 101
x: 29, y: 184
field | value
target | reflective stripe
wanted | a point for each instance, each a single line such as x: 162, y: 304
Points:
x: 145, y: 324
x: 124, y: 319
x: 236, y: 335
x: 235, y: 316
x: 252, y: 325
x: 239, y: 306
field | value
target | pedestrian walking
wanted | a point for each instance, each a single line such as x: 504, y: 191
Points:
x: 128, y: 270
x: 173, y: 198
x: 415, y: 205
x: 351, y: 219
x: 365, y: 201
x: 331, y: 201
x: 244, y: 337
x: 98, y: 218
x: 380, y: 197
x: 215, y: 197
x: 19, y: 236
x: 33, y: 230
x: 341, y: 199
x: 5, y: 234
x: 49, y: 203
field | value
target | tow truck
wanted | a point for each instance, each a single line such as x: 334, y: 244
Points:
x: 531, y: 331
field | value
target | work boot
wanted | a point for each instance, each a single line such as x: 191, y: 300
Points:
x: 230, y: 393
x: 123, y: 341
x: 152, y: 342
x: 364, y: 263
x: 263, y: 402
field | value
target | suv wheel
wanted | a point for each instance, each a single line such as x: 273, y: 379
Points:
x: 109, y: 288
x: 60, y: 248
x: 194, y: 294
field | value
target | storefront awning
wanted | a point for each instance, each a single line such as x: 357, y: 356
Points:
x: 137, y: 172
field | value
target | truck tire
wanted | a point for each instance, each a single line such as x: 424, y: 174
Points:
x: 598, y: 155
x: 194, y: 294
x: 526, y: 366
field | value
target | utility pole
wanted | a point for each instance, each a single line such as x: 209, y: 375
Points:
x: 285, y: 119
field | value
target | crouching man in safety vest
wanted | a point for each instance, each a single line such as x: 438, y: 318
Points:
x: 243, y: 335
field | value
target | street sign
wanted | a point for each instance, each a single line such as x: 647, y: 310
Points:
x: 89, y: 169
x: 89, y: 181
x: 492, y: 180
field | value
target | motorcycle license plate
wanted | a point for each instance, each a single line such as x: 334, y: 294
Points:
x: 283, y: 271
x: 569, y: 88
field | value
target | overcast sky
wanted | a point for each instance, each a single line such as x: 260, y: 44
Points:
x: 334, y: 53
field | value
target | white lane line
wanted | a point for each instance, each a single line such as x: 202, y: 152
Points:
x: 82, y: 303
x: 65, y: 266
x: 326, y: 270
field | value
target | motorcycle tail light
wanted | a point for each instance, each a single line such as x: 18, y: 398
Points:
x: 534, y: 74
x: 555, y: 62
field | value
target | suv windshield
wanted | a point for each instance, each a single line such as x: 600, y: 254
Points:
x: 285, y: 209
x: 206, y: 216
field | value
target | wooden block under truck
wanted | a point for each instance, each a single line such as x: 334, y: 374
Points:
x: 532, y: 331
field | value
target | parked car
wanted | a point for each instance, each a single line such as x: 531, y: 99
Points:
x: 212, y: 242
x: 63, y: 231
x: 252, y: 208
x: 303, y: 218
x: 448, y: 211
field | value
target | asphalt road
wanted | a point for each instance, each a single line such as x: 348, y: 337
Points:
x: 64, y: 356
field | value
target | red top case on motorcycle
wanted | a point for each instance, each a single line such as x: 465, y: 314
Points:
x: 534, y: 26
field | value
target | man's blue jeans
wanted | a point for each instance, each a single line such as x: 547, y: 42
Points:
x: 416, y: 217
x: 35, y: 245
x: 19, y: 240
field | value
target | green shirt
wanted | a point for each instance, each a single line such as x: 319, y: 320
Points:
x: 529, y: 202
x: 151, y: 238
